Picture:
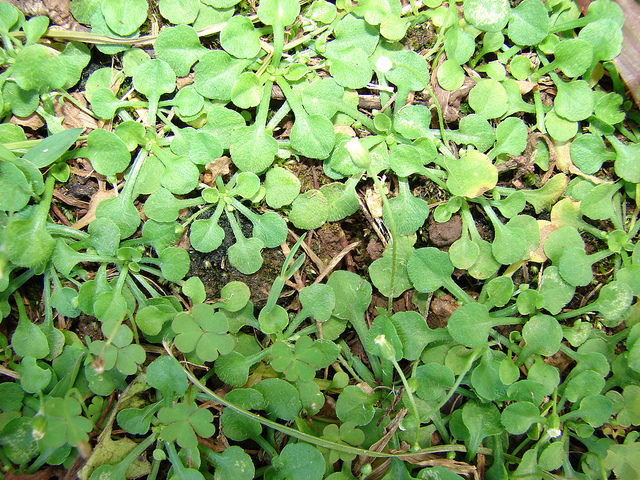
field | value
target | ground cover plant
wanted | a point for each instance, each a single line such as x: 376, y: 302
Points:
x: 307, y: 240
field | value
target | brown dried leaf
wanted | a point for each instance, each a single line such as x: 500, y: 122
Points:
x: 90, y: 216
x: 72, y: 116
x: 33, y: 121
x: 220, y: 166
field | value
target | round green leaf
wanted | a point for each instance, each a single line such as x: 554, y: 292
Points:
x: 247, y: 91
x: 410, y: 70
x: 575, y: 100
x: 313, y: 136
x: 560, y: 129
x: 282, y: 187
x: 245, y: 255
x: 309, y: 210
x: 124, y: 16
x: 166, y: 375
x: 543, y: 335
x: 240, y: 38
x: 180, y: 47
x: 300, y: 461
x: 273, y: 320
x: 179, y: 11
x: 459, y: 45
x: 234, y: 296
x: 281, y: 398
x: 154, y: 78
x: 471, y: 175
x: 354, y: 405
x: 174, y: 263
x: 216, y: 73
x: 450, y: 75
x: 470, y: 324
x: 108, y: 154
x: 487, y: 15
x: 529, y: 23
x: 519, y: 416
x: 253, y: 148
x: 489, y: 98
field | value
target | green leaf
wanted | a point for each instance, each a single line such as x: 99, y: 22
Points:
x: 180, y: 47
x: 216, y: 73
x: 234, y: 296
x: 518, y: 417
x: 182, y: 422
x: 9, y: 16
x: 240, y: 38
x: 529, y: 23
x: 282, y: 187
x: 166, y: 374
x: 560, y: 129
x: 322, y: 97
x: 278, y: 12
x: 247, y: 91
x: 471, y: 175
x: 458, y: 44
x: 410, y: 71
x: 27, y: 242
x: 354, y: 405
x: 17, y: 441
x: 470, y: 324
x: 313, y: 136
x: 433, y: 381
x: 108, y: 154
x: 253, y: 148
x: 511, y: 136
x: 124, y: 16
x: 177, y: 11
x: 174, y: 263
x: 474, y: 130
x: 481, y: 420
x: 309, y: 210
x: 556, y: 292
x: 543, y: 336
x: 153, y: 79
x: 300, y: 461
x: 51, y: 148
x: 342, y: 200
x: 37, y: 66
x: 232, y: 464
x: 389, y: 273
x: 429, y: 269
x: 588, y: 153
x: 282, y: 400
x: 273, y: 320
x: 489, y: 98
x: 412, y: 121
x: 349, y: 65
x: 236, y: 426
x: 450, y: 75
x: 33, y: 377
x: 245, y: 255
x: 318, y: 300
x: 626, y: 165
x: 487, y: 15
x: 575, y: 100
x: 28, y: 340
x: 17, y: 190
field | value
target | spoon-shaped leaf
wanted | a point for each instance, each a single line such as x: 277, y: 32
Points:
x: 153, y: 79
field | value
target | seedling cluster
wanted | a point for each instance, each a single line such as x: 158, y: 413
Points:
x: 206, y: 124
